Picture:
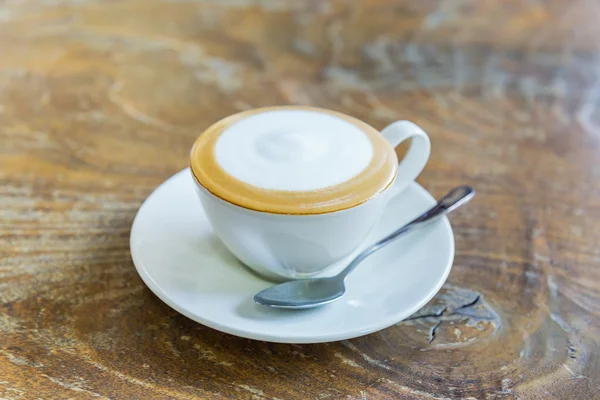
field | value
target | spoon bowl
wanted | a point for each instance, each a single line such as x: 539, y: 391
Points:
x: 303, y: 293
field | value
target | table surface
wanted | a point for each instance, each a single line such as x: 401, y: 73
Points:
x: 101, y: 101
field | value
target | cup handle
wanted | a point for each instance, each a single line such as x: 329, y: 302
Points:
x: 417, y: 155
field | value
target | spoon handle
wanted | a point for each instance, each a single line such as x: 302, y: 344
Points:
x: 454, y: 199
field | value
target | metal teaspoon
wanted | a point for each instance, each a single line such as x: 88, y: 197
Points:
x: 309, y: 293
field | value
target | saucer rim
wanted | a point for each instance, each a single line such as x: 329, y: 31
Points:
x: 293, y: 338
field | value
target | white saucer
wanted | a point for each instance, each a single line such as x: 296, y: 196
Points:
x: 187, y: 267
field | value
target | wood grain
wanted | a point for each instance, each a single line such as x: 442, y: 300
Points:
x: 101, y: 101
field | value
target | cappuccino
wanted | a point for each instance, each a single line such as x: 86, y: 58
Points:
x: 293, y: 160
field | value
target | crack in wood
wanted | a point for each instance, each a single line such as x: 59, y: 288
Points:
x: 456, y: 316
x: 470, y: 304
x: 437, y: 314
x: 571, y: 350
x: 445, y: 311
x: 432, y: 332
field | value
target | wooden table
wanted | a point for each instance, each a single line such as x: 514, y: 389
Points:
x: 101, y: 101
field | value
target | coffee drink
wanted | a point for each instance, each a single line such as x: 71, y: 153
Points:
x: 293, y: 160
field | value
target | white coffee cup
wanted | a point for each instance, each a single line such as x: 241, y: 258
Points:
x: 289, y: 246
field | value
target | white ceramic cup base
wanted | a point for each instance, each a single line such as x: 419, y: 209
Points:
x: 182, y: 261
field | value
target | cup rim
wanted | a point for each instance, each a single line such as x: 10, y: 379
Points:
x: 312, y: 210
x: 314, y: 214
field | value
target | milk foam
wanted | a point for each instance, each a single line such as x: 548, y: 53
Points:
x: 293, y: 150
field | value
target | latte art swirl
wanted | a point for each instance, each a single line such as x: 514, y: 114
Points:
x: 293, y: 150
x: 291, y: 146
